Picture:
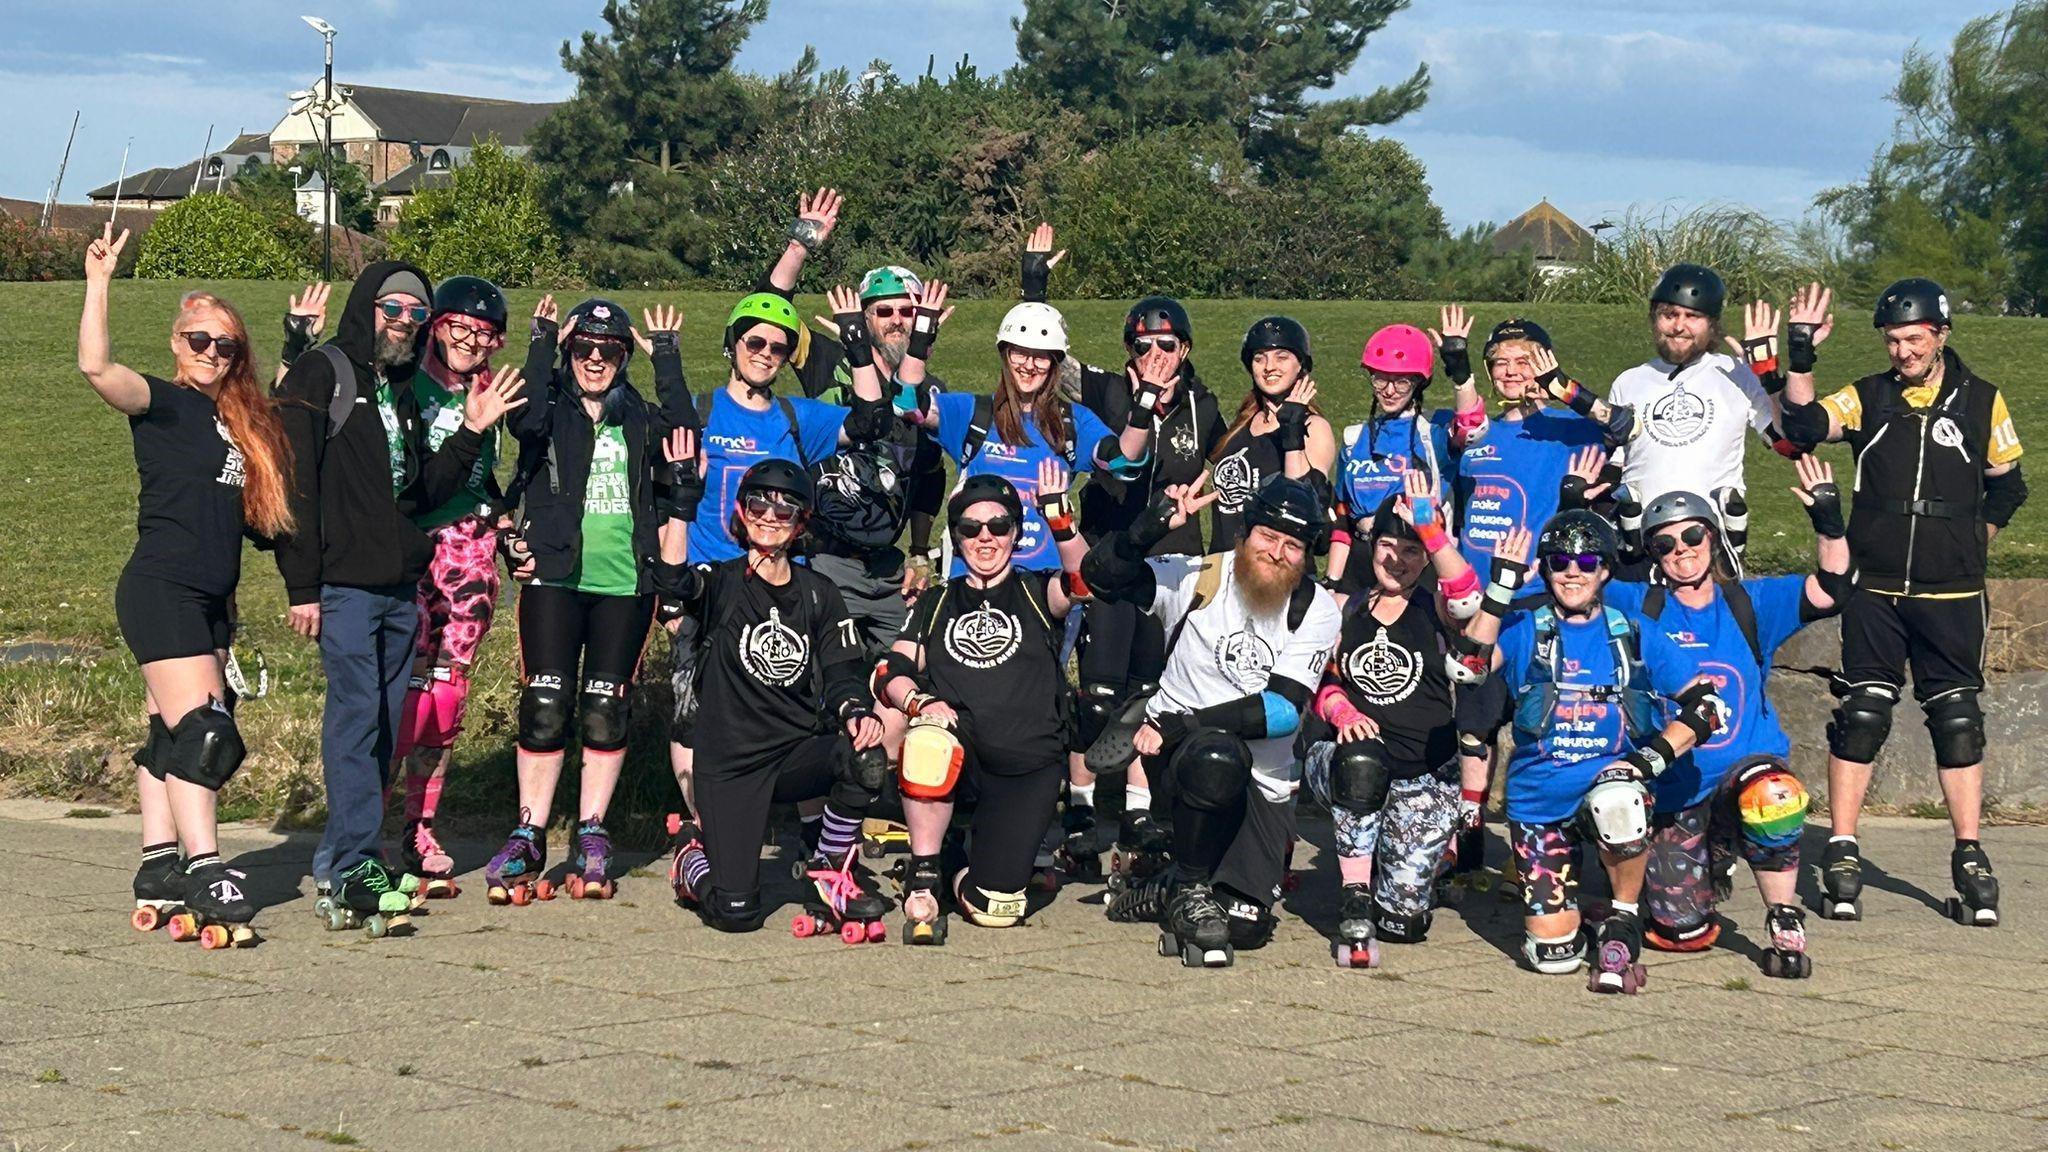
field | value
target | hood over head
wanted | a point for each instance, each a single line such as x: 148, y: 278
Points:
x: 356, y: 332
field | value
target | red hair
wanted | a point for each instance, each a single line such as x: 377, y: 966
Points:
x: 251, y: 419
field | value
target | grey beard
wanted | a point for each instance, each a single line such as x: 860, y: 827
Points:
x: 889, y: 354
x: 395, y: 354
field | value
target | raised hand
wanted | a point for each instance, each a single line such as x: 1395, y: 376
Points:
x: 485, y: 406
x: 820, y: 210
x: 1513, y: 546
x: 1041, y: 241
x: 1303, y: 392
x: 659, y: 320
x: 680, y: 445
x: 842, y: 300
x: 103, y: 255
x: 933, y: 300
x: 546, y: 310
x: 1455, y: 325
x: 1189, y: 499
x: 1586, y: 465
x: 311, y: 304
x: 1053, y: 480
x: 1811, y: 306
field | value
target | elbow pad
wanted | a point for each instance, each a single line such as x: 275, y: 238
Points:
x: 1805, y: 423
x: 1114, y: 576
x: 1122, y: 467
x: 1265, y: 716
x: 1462, y: 594
x: 891, y: 665
x: 1836, y: 586
x: 1468, y: 661
x: 2003, y: 495
x: 1468, y: 427
x: 868, y: 420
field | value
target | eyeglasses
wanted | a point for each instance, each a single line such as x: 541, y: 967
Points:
x: 395, y: 309
x: 891, y: 311
x: 225, y: 347
x: 1586, y: 562
x: 969, y: 529
x: 1167, y: 344
x: 769, y: 508
x: 609, y: 351
x: 474, y: 337
x: 759, y: 345
x: 1665, y: 543
x: 1027, y: 355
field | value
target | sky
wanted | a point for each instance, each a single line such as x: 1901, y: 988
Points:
x: 1602, y: 106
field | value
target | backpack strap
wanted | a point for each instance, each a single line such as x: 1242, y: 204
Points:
x: 1208, y: 578
x: 343, y: 402
x: 796, y: 430
x: 978, y: 426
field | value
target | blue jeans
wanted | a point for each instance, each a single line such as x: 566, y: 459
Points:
x: 366, y: 650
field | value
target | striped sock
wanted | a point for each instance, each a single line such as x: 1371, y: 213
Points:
x: 155, y: 852
x: 201, y: 860
x: 838, y: 834
x: 696, y: 866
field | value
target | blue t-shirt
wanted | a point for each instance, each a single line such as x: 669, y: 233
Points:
x: 1375, y: 453
x: 1684, y: 643
x: 735, y: 439
x: 1509, y: 480
x: 1547, y: 777
x: 1019, y: 465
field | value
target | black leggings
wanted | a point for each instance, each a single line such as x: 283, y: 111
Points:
x: 1011, y: 814
x: 560, y: 628
x: 733, y: 802
x: 1120, y: 646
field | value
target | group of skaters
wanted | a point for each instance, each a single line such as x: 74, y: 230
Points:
x: 1559, y: 567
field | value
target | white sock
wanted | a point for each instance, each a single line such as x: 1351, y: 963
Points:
x: 1081, y: 793
x: 1137, y: 797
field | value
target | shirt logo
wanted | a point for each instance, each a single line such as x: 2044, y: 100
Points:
x: 736, y: 443
x: 983, y: 638
x: 1244, y: 660
x: 1947, y: 434
x: 1384, y: 672
x: 1235, y: 480
x: 773, y: 652
x: 1183, y: 441
x: 1680, y: 417
x: 232, y: 469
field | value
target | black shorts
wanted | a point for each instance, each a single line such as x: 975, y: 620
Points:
x: 162, y: 620
x: 1941, y: 640
x: 560, y: 628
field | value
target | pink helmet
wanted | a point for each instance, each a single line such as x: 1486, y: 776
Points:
x: 1400, y: 349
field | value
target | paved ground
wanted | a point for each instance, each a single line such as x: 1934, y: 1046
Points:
x: 628, y: 1025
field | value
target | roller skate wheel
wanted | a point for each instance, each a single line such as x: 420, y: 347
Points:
x: 498, y: 894
x: 338, y: 919
x: 146, y: 920
x: 184, y: 927
x: 322, y: 905
x: 870, y: 850
x: 576, y: 888
x: 803, y: 927
x: 1168, y: 946
x: 1356, y: 956
x: 545, y: 889
x: 799, y: 870
x: 1843, y: 909
x: 606, y: 889
x: 519, y: 895
x: 214, y: 936
x: 877, y: 931
x: 853, y: 932
x: 1045, y: 880
x: 1788, y: 965
x: 375, y: 926
x: 674, y: 823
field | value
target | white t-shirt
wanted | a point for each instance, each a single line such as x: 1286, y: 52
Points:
x: 1692, y: 428
x: 1225, y: 653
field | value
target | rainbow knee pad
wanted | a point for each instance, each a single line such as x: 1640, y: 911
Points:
x: 1771, y: 803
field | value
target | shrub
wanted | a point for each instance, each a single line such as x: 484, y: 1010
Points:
x: 215, y: 237
x: 488, y: 221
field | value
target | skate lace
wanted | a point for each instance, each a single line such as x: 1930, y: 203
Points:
x: 592, y: 843
x: 423, y: 842
x: 520, y: 852
x: 374, y: 879
x: 836, y: 885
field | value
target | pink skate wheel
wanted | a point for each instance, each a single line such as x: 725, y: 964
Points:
x: 521, y: 895
x: 146, y: 920
x: 545, y: 889
x: 675, y: 823
x: 184, y: 927
x: 214, y: 936
x: 576, y: 887
x: 877, y: 932
x: 802, y: 927
x: 853, y: 932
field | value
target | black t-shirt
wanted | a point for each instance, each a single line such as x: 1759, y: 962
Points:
x: 760, y: 683
x: 1241, y: 466
x: 188, y: 514
x: 1395, y: 674
x: 993, y: 654
x: 1181, y: 443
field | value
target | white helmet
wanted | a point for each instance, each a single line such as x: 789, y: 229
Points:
x: 1034, y: 327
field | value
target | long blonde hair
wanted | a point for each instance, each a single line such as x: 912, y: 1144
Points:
x: 250, y: 416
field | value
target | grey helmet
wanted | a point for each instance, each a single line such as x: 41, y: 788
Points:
x: 1678, y: 506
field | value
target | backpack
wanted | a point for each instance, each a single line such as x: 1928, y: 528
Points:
x: 1537, y: 702
x: 1739, y: 606
x: 343, y: 402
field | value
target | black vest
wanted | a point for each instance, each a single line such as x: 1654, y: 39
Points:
x: 1916, y: 521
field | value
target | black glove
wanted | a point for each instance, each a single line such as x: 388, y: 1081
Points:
x: 1700, y: 708
x: 298, y: 336
x: 853, y: 337
x: 685, y: 489
x: 666, y: 343
x: 1457, y: 352
x: 1293, y: 431
x: 1571, y: 493
x: 1800, y: 355
x: 1037, y: 275
x: 1826, y: 511
x: 1145, y: 405
x: 1174, y: 727
x: 924, y: 332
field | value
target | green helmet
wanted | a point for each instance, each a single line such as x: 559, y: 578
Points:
x: 762, y: 308
x: 888, y: 282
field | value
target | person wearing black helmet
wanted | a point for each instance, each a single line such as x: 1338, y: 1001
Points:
x: 1937, y: 478
x: 1278, y: 431
x: 1218, y: 738
x: 978, y: 672
x: 786, y: 714
x: 1586, y: 740
x: 594, y: 485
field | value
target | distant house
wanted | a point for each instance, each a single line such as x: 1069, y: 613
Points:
x: 155, y: 188
x: 1557, y: 242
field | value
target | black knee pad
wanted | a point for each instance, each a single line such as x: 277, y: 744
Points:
x: 1211, y: 769
x: 733, y: 911
x: 1400, y: 927
x: 605, y: 714
x: 1251, y: 926
x: 205, y: 748
x: 156, y: 747
x: 1956, y: 725
x: 1862, y: 719
x: 544, y: 713
x: 1473, y: 745
x: 1095, y: 705
x: 1358, y: 777
x: 861, y: 775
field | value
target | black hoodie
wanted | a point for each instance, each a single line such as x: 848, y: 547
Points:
x: 352, y: 530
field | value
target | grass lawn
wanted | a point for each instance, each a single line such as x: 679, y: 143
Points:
x: 68, y: 501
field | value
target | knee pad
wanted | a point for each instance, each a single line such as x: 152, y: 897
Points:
x: 1734, y: 515
x: 605, y: 715
x: 1399, y: 927
x: 433, y: 711
x: 1554, y: 955
x: 932, y: 756
x: 733, y: 911
x: 205, y: 748
x: 1095, y: 705
x: 1358, y: 777
x: 990, y: 909
x: 1956, y: 725
x: 1251, y: 926
x: 1862, y: 719
x: 1617, y: 814
x: 156, y: 747
x: 1770, y: 803
x: 543, y: 713
x: 861, y: 775
x: 1690, y: 936
x: 1212, y: 769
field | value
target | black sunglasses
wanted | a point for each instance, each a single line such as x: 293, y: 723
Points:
x: 1162, y: 343
x: 1586, y: 562
x: 967, y: 528
x: 393, y: 309
x: 891, y: 311
x: 225, y: 347
x: 759, y: 344
x: 768, y: 508
x: 1665, y: 543
x: 609, y: 351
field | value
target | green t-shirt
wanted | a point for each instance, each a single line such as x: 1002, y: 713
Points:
x: 608, y: 566
x: 441, y: 411
x: 394, y: 440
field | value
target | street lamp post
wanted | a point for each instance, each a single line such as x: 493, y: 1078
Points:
x: 327, y: 33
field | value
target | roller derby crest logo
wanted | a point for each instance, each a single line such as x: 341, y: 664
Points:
x: 1945, y: 433
x: 1234, y: 480
x: 1385, y: 672
x: 1678, y: 418
x: 983, y: 638
x: 773, y: 652
x: 1244, y: 660
x: 1183, y: 441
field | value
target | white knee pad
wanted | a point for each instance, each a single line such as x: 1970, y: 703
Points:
x: 1618, y: 814
x: 1554, y: 955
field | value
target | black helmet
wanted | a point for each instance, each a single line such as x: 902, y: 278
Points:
x: 1388, y: 523
x: 1277, y: 332
x: 1155, y: 315
x: 779, y: 476
x: 1693, y: 286
x: 1915, y: 301
x: 1289, y: 507
x: 985, y: 487
x: 1580, y: 532
x: 1516, y: 329
x: 471, y: 296
x: 600, y: 317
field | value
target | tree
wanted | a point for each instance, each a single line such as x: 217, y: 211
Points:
x: 488, y: 221
x: 216, y: 237
x: 1141, y: 66
x: 272, y: 189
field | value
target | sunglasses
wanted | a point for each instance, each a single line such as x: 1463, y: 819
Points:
x: 1665, y: 543
x: 1145, y: 344
x: 969, y: 529
x: 891, y: 311
x: 609, y: 351
x: 393, y: 310
x: 225, y: 347
x: 770, y: 509
x: 759, y: 345
x: 1585, y: 562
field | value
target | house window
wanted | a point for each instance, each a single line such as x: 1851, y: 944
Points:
x: 439, y: 162
x: 213, y: 168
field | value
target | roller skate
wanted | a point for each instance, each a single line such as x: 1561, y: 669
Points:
x: 367, y: 897
x: 424, y: 857
x: 588, y: 864
x: 1195, y: 929
x: 217, y: 910
x: 1786, y: 958
x: 841, y: 900
x: 159, y: 891
x: 1143, y: 902
x: 878, y: 838
x: 1045, y: 876
x: 514, y: 875
x: 1618, y: 955
x: 689, y: 857
x: 1140, y: 850
x: 1976, y: 898
x: 1081, y: 847
x: 1355, y: 946
x: 323, y: 898
x: 923, y: 922
x: 1841, y: 881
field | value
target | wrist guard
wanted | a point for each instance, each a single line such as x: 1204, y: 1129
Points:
x: 1700, y: 709
x: 1457, y: 354
x: 1059, y: 515
x: 1761, y: 354
x: 808, y: 233
x: 298, y: 336
x: 666, y: 343
x: 1826, y: 511
x: 1149, y: 529
x: 1800, y: 354
x: 853, y: 338
x: 1035, y: 274
x: 1292, y: 433
x: 1571, y: 493
x: 1645, y: 763
x: 1502, y: 583
x: 1145, y: 406
x: 924, y: 332
x: 685, y: 489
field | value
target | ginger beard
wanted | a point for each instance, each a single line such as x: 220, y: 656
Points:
x: 1269, y: 568
x: 1681, y: 334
